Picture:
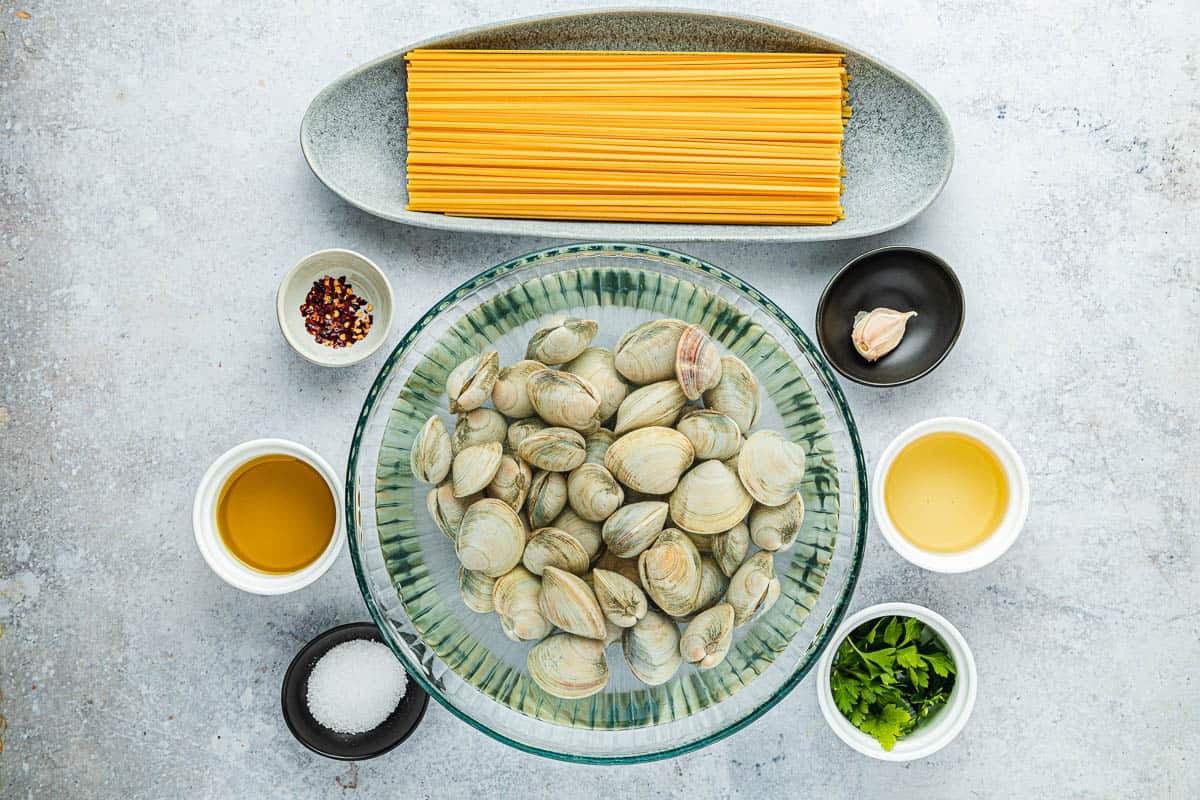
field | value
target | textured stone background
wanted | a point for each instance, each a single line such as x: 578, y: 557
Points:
x: 152, y: 192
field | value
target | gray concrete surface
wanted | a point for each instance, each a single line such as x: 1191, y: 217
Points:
x: 152, y: 192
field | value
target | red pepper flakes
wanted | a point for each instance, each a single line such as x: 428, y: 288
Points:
x: 334, y: 315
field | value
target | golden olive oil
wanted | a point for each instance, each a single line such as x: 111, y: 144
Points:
x: 946, y: 492
x: 276, y: 514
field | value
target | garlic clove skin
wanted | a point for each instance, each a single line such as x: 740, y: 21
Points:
x: 877, y: 333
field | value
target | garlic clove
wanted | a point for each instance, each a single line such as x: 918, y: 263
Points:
x: 877, y: 333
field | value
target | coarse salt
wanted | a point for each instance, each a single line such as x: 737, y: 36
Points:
x: 355, y: 686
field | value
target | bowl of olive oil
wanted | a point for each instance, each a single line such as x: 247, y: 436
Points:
x: 268, y: 516
x: 950, y: 494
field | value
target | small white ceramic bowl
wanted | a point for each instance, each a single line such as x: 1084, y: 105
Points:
x: 941, y: 728
x: 1006, y: 532
x: 208, y: 538
x: 365, y: 278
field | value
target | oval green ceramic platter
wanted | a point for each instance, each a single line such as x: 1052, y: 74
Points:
x: 408, y: 571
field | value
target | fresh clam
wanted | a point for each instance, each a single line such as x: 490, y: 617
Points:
x: 568, y: 602
x: 713, y: 585
x: 703, y: 541
x: 633, y: 528
x: 650, y: 460
x: 697, y: 362
x: 712, y: 434
x: 565, y: 400
x: 729, y: 548
x: 447, y: 510
x: 612, y: 633
x: 511, y: 482
x: 771, y: 467
x: 709, y: 499
x: 626, y: 567
x: 670, y: 570
x: 595, y: 365
x: 470, y: 383
x: 551, y: 547
x: 561, y: 339
x: 593, y: 492
x: 652, y: 648
x: 776, y: 527
x: 479, y: 426
x: 431, y: 452
x: 736, y: 394
x: 753, y: 588
x: 510, y: 395
x: 656, y: 404
x: 586, y: 532
x: 491, y: 538
x: 547, y: 497
x: 597, y: 443
x: 570, y: 667
x: 554, y: 449
x: 646, y: 353
x: 622, y: 600
x: 475, y: 467
x: 515, y: 598
x: 707, y: 638
x: 476, y: 589
x: 520, y: 429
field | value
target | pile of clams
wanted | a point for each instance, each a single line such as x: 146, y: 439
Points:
x: 612, y: 496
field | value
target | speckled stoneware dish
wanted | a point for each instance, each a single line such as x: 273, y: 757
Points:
x: 408, y: 571
x: 898, y: 146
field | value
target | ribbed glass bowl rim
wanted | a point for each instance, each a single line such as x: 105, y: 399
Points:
x: 688, y: 263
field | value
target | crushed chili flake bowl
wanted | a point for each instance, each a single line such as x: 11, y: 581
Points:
x: 365, y: 279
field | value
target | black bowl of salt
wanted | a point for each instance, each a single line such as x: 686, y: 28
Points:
x: 346, y: 695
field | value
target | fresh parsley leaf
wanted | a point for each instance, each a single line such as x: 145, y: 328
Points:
x: 941, y: 663
x: 909, y: 657
x: 891, y: 634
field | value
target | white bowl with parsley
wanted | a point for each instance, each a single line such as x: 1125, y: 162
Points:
x: 904, y: 674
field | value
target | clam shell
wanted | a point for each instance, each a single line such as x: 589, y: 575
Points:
x: 511, y: 483
x: 633, y: 528
x: 650, y: 460
x: 709, y: 499
x: 707, y: 638
x: 510, y: 395
x: 595, y: 365
x: 564, y: 400
x: 593, y: 492
x: 515, y: 598
x: 703, y: 541
x: 656, y: 404
x: 776, y: 527
x: 652, y: 649
x: 736, y: 394
x: 551, y: 547
x: 520, y: 429
x: 554, y: 449
x: 712, y: 434
x: 447, y: 510
x: 697, y: 362
x: 475, y: 467
x: 586, y: 532
x: 568, y: 602
x: 771, y: 467
x: 491, y: 538
x: 612, y: 633
x: 478, y: 426
x: 570, y: 667
x: 431, y: 452
x: 729, y: 548
x: 597, y: 443
x: 547, y: 497
x: 561, y: 339
x: 670, y: 570
x: 622, y: 600
x: 626, y: 567
x: 646, y: 353
x: 476, y: 589
x: 753, y: 588
x: 713, y: 585
x: 470, y: 383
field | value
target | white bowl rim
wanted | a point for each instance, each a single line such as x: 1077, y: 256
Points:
x: 942, y: 728
x: 382, y: 305
x: 226, y: 565
x: 990, y: 548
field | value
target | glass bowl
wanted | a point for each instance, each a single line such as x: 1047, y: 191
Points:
x: 407, y: 569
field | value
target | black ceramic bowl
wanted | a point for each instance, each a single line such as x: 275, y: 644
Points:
x: 345, y: 746
x: 904, y: 279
